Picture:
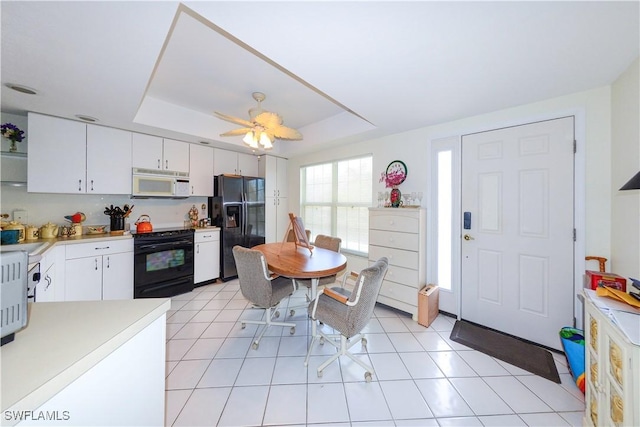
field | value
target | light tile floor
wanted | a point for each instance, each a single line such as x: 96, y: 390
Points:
x: 422, y: 378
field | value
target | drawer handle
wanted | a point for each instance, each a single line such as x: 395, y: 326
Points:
x: 99, y: 249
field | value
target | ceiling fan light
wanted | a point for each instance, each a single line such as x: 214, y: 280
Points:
x: 265, y: 141
x: 248, y: 138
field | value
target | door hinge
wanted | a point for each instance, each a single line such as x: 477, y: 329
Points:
x: 575, y: 146
x: 574, y: 235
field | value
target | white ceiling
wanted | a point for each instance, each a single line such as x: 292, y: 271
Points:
x: 339, y: 72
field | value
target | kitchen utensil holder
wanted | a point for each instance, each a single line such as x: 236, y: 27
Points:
x: 117, y: 222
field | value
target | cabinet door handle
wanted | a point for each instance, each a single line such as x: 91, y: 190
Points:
x: 192, y: 189
x: 166, y: 164
x: 108, y: 262
x: 158, y: 163
x: 96, y: 260
x: 79, y: 185
x: 91, y: 185
x: 48, y: 279
x: 198, y: 249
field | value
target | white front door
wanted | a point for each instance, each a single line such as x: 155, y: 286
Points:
x: 517, y: 245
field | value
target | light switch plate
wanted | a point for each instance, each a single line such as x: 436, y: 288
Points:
x: 20, y: 216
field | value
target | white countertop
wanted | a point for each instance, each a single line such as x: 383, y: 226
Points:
x: 63, y: 340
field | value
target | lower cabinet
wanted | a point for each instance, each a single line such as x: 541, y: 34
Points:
x: 46, y: 288
x: 207, y: 256
x: 612, y: 364
x: 107, y: 273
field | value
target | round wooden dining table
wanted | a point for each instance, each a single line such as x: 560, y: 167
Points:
x: 297, y: 262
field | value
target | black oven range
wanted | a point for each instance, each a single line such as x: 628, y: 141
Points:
x: 163, y: 263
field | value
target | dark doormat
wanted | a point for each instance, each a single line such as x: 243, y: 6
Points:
x: 524, y: 355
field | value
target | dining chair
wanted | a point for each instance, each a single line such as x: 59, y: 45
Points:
x: 348, y: 312
x: 262, y: 289
x: 324, y: 242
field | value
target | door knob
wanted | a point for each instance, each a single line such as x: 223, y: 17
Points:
x: 467, y: 237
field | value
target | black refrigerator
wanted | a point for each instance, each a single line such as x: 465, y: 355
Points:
x: 238, y: 209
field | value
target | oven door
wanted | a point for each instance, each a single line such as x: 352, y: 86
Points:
x: 160, y: 265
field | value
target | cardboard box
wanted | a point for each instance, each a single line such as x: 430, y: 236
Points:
x: 427, y: 304
x: 593, y: 279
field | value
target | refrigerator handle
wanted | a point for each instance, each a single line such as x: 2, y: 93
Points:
x: 244, y: 213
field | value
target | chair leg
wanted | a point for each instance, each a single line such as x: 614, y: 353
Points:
x: 343, y: 350
x: 267, y: 323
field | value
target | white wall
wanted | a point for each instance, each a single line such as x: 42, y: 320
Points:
x: 625, y: 161
x: 593, y: 131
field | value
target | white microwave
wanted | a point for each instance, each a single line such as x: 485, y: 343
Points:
x: 148, y: 183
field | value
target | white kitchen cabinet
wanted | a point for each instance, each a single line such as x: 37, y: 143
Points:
x: 247, y: 164
x: 66, y: 156
x: 99, y: 270
x: 399, y: 234
x: 108, y: 160
x: 612, y: 364
x: 56, y: 162
x: 206, y: 265
x: 233, y: 163
x: 274, y: 171
x: 46, y: 288
x: 201, y: 170
x: 153, y: 152
x: 175, y: 155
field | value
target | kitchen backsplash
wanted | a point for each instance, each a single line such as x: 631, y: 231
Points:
x: 43, y: 207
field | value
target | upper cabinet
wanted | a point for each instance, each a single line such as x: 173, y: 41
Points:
x: 66, y: 156
x: 153, y: 152
x: 108, y: 160
x: 201, y: 170
x: 232, y: 163
x: 274, y: 171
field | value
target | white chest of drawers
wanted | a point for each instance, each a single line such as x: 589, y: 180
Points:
x: 399, y: 234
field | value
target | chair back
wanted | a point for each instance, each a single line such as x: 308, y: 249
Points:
x: 368, y: 286
x: 252, y: 275
x: 328, y: 242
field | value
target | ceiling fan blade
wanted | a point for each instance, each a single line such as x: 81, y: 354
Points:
x: 283, y: 132
x: 268, y: 120
x: 232, y: 119
x: 237, y: 132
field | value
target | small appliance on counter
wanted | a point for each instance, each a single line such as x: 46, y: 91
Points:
x: 143, y: 224
x: 13, y: 289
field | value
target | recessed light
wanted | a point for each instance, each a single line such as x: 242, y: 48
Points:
x: 21, y: 89
x: 86, y: 118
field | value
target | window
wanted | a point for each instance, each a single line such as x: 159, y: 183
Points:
x: 335, y: 199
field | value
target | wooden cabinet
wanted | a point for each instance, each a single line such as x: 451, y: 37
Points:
x: 399, y: 234
x: 201, y: 170
x: 233, y: 163
x: 153, y: 152
x: 99, y: 270
x: 612, y: 365
x: 66, y: 156
x: 274, y: 171
x: 206, y: 265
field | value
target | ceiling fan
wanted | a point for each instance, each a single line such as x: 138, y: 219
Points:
x: 262, y: 127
